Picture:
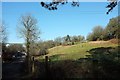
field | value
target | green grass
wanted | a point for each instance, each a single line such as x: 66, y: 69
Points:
x: 74, y: 52
x: 66, y: 60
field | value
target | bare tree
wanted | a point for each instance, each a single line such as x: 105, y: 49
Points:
x: 3, y: 35
x: 28, y: 30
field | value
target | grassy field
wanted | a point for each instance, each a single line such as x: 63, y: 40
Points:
x: 71, y: 62
x: 74, y: 52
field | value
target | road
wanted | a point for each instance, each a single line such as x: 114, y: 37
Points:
x: 12, y: 70
x: 0, y: 68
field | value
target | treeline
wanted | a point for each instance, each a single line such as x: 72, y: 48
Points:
x: 112, y: 30
x: 43, y: 46
x: 10, y: 50
x: 68, y: 40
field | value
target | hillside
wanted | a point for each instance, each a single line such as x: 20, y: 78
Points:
x: 77, y: 51
x: 71, y: 61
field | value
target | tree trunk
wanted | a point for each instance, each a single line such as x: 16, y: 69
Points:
x: 28, y: 57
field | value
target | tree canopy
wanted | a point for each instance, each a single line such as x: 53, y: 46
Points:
x: 109, y: 32
x: 29, y: 30
x: 55, y: 3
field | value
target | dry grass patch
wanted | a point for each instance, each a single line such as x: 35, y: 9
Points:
x: 99, y: 42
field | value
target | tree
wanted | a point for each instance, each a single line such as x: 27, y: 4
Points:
x: 53, y: 5
x: 90, y: 37
x: 28, y: 30
x: 3, y: 38
x: 13, y: 48
x: 111, y: 5
x: 49, y: 44
x: 97, y: 32
x: 3, y: 33
x: 81, y: 38
x: 58, y: 41
x: 68, y: 38
x: 74, y: 39
x: 112, y: 28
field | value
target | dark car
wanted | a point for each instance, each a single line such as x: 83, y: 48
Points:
x: 19, y: 57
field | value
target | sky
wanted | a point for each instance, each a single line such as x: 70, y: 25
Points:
x: 67, y: 20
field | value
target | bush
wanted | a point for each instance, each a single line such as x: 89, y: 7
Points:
x: 115, y: 41
x: 43, y: 51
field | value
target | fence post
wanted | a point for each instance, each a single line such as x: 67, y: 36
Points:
x: 46, y: 66
x: 33, y: 67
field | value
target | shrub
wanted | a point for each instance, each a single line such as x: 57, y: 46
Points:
x: 43, y: 51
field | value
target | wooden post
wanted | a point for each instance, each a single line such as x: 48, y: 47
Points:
x: 46, y: 66
x: 33, y: 67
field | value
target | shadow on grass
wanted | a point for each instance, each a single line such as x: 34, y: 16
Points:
x: 104, y: 62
